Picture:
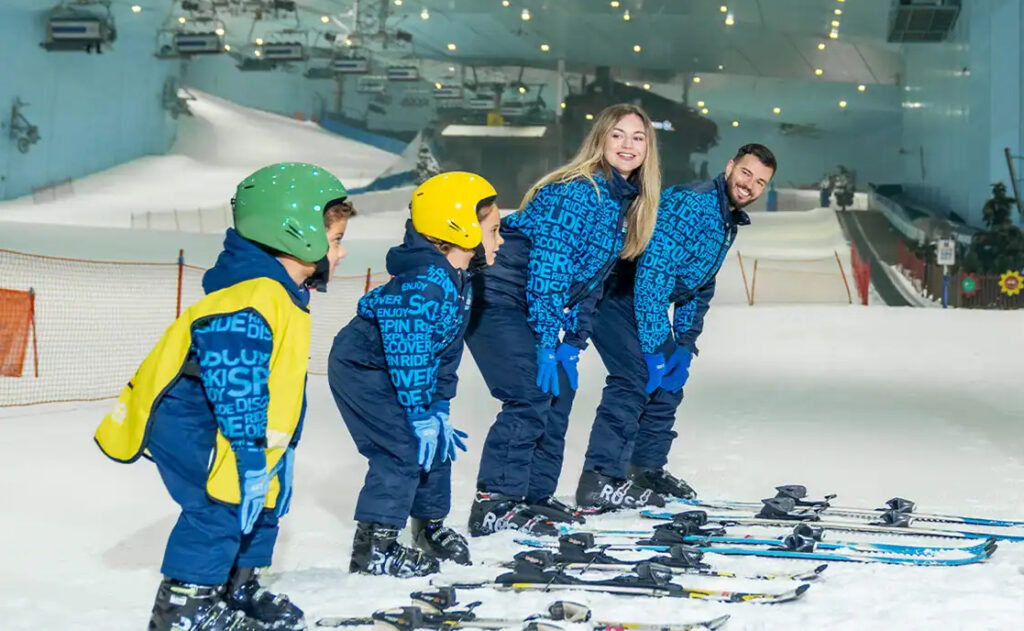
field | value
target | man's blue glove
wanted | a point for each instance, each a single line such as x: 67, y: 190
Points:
x: 253, y: 483
x: 677, y: 371
x: 427, y: 427
x: 655, y: 371
x: 451, y: 438
x: 547, y: 370
x: 285, y: 475
x: 568, y: 356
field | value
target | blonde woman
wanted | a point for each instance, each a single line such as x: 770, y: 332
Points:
x: 534, y: 311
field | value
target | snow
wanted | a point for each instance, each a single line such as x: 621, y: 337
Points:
x: 864, y: 402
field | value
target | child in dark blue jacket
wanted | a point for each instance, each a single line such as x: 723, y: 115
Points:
x: 392, y: 371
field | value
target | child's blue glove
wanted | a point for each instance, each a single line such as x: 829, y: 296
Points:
x: 426, y: 426
x: 677, y: 371
x: 547, y: 371
x: 451, y: 438
x: 568, y: 356
x: 253, y: 483
x: 285, y: 474
x: 655, y: 371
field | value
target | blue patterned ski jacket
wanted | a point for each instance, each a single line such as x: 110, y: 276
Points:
x: 558, y: 252
x: 694, y: 231
x: 421, y: 316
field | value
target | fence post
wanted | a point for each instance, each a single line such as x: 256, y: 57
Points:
x: 32, y: 320
x: 366, y: 287
x: 746, y: 287
x: 846, y: 283
x: 181, y: 270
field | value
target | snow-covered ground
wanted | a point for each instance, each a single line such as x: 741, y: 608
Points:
x: 864, y: 402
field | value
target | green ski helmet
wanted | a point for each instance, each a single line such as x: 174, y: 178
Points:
x: 282, y: 207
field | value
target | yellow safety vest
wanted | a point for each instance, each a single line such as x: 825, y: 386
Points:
x: 124, y: 432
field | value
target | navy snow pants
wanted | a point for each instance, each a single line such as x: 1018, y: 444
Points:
x: 630, y: 427
x: 207, y: 540
x: 395, y: 487
x: 522, y: 455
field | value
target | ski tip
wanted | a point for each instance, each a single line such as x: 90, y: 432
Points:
x: 821, y: 568
x: 717, y: 623
x: 803, y: 588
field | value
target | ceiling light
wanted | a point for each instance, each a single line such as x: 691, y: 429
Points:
x: 723, y: 9
x: 219, y: 31
x: 424, y: 14
x: 504, y: 3
x: 398, y: 3
x: 842, y: 103
x: 862, y: 88
x: 821, y: 45
x: 136, y: 8
x: 730, y: 20
x: 835, y: 23
x: 545, y: 47
x: 721, y: 67
x: 615, y: 4
x: 833, y: 34
x: 696, y: 78
x: 325, y: 19
x: 838, y: 11
x: 647, y: 86
x: 227, y: 47
x: 735, y: 123
x: 776, y: 110
x: 257, y: 53
x: 629, y: 83
x: 818, y: 72
x: 181, y: 19
x: 525, y: 15
x: 625, y: 16
x: 348, y: 41
x: 259, y: 41
x: 522, y: 89
x: 637, y: 48
x: 704, y: 110
x: 562, y: 104
x: 451, y: 46
x: 700, y: 103
x: 451, y: 68
x: 589, y: 117
x: 437, y: 86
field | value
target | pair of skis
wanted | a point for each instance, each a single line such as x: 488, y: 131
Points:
x: 436, y: 611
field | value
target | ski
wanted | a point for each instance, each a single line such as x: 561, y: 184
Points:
x: 890, y: 559
x: 897, y: 504
x: 576, y: 554
x: 731, y: 520
x: 670, y: 533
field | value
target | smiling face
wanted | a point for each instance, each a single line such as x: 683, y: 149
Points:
x: 746, y: 179
x: 625, y: 146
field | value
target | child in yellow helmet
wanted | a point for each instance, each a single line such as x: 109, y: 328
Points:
x: 392, y: 371
x: 218, y: 404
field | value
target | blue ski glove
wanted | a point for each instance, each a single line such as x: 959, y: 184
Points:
x: 655, y: 371
x: 253, y: 483
x: 426, y: 427
x: 568, y: 356
x: 285, y: 474
x: 547, y: 370
x: 451, y: 438
x: 677, y: 371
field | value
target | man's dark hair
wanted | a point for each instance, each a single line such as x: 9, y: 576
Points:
x: 762, y: 153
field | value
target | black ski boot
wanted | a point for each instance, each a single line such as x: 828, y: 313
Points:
x: 275, y: 611
x: 433, y: 537
x: 600, y: 493
x: 551, y: 508
x: 184, y: 606
x: 375, y: 550
x: 493, y: 512
x: 661, y: 482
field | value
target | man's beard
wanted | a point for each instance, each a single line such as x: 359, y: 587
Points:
x: 732, y: 200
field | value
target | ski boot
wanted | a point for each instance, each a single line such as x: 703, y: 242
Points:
x: 661, y: 482
x: 184, y: 606
x: 599, y: 493
x: 433, y: 537
x: 375, y: 550
x: 556, y: 511
x: 275, y: 611
x: 493, y: 512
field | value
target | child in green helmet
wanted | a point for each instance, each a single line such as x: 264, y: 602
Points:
x: 218, y: 404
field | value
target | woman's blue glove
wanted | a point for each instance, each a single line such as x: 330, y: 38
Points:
x: 655, y: 371
x: 285, y: 474
x: 427, y: 427
x: 547, y: 370
x: 253, y: 482
x: 568, y: 356
x: 677, y: 371
x: 451, y: 438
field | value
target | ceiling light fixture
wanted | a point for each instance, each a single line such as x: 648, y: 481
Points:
x: 776, y: 110
x: 723, y: 9
x: 838, y: 11
x: 219, y: 31
x: 700, y: 103
x: 325, y: 19
x: 735, y: 123
x: 862, y: 88
x: 257, y: 53
x: 614, y: 4
x: 625, y: 15
x: 259, y: 41
x: 504, y: 3
x: 227, y: 47
x: 833, y: 34
x: 818, y: 72
x: 637, y: 48
x: 424, y: 14
x: 696, y: 78
x: 589, y: 117
x: 181, y: 19
x: 721, y: 67
x: 647, y: 86
x: 821, y: 45
x: 525, y: 15
x: 452, y: 46
x: 136, y: 8
x: 704, y: 110
x: 545, y: 47
x: 398, y: 3
x: 562, y: 105
x: 835, y: 23
x: 730, y: 20
x: 842, y: 104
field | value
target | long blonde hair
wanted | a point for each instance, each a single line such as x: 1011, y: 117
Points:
x: 643, y: 212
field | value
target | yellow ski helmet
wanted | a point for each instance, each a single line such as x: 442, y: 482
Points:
x: 444, y: 207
